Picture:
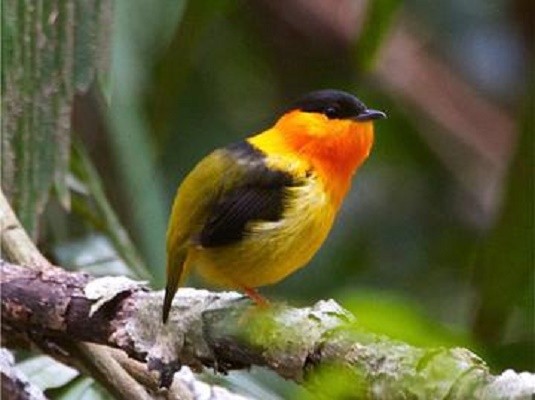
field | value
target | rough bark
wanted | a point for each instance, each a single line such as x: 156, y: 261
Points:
x: 14, y: 384
x: 223, y: 331
x: 121, y: 376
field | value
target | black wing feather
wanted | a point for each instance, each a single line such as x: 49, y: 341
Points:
x: 259, y: 197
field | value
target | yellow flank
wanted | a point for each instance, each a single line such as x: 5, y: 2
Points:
x: 252, y: 213
x: 214, y: 174
x: 273, y: 250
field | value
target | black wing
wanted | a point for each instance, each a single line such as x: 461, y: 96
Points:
x: 259, y: 196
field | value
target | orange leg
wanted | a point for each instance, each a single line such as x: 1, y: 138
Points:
x: 260, y: 300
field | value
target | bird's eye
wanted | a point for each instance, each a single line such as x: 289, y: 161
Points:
x: 331, y: 112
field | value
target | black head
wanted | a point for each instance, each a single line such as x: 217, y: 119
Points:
x: 335, y: 104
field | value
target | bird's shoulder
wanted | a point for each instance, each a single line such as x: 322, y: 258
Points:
x: 259, y: 194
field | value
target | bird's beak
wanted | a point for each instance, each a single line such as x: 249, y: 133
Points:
x: 369, y: 115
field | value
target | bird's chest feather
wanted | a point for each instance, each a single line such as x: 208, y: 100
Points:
x: 308, y: 208
x: 307, y: 218
x: 271, y: 250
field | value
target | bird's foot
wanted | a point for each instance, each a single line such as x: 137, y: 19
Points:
x: 256, y: 297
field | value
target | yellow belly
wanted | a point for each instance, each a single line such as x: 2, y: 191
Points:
x: 272, y: 250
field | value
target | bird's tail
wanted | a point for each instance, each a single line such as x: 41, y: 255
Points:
x: 176, y: 272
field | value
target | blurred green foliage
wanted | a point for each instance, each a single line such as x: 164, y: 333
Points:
x: 49, y: 52
x: 508, y: 253
x: 60, y: 382
x: 413, y: 253
x: 377, y: 24
x: 399, y: 318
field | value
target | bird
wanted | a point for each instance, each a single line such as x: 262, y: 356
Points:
x: 253, y: 212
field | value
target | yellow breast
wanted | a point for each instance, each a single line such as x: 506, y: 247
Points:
x: 274, y: 250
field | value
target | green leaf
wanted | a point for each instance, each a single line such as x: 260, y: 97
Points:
x: 96, y: 209
x: 175, y: 66
x: 81, y: 388
x: 134, y: 51
x: 379, y: 18
x: 46, y: 373
x: 401, y: 319
x: 504, y: 268
x: 93, y: 254
x: 50, y: 49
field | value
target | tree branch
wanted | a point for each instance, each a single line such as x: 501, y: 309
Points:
x: 14, y: 241
x: 221, y: 331
x: 18, y: 247
x: 14, y: 384
x: 116, y: 372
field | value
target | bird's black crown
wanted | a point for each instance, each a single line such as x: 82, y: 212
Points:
x: 335, y: 104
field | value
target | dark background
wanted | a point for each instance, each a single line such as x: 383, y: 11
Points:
x: 434, y: 244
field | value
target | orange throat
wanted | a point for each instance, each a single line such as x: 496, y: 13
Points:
x: 334, y: 148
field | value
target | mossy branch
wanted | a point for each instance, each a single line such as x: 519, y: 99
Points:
x: 121, y: 376
x: 223, y: 332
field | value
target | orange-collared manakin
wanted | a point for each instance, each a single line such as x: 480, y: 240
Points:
x: 253, y: 212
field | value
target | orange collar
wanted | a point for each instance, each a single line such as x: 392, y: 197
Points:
x: 335, y: 148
